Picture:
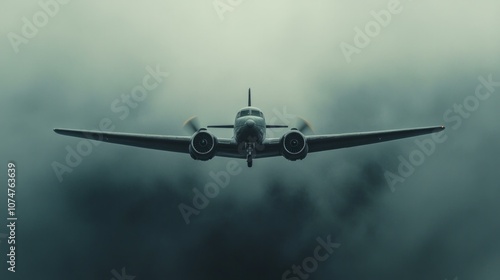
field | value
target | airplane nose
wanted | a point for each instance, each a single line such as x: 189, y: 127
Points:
x: 250, y: 123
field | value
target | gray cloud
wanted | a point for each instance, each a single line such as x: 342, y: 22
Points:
x: 118, y: 208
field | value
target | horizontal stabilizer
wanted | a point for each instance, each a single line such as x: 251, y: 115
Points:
x: 276, y: 126
x: 221, y: 126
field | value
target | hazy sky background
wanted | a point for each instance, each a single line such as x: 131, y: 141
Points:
x: 119, y: 207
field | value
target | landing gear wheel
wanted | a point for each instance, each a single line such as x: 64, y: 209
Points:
x: 250, y: 150
x: 249, y: 160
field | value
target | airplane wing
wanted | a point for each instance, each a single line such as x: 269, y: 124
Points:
x: 178, y: 144
x: 225, y: 147
x: 229, y: 148
x: 319, y: 143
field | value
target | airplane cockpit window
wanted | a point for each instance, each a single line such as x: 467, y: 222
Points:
x: 244, y: 112
x: 256, y: 113
x: 249, y: 112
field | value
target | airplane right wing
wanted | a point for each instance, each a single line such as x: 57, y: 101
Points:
x: 317, y: 143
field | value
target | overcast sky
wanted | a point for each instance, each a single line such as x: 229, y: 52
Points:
x: 331, y: 62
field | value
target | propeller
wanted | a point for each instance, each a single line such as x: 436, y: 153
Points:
x: 192, y: 124
x: 303, y: 126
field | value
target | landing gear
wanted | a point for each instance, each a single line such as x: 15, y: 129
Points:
x: 250, y: 148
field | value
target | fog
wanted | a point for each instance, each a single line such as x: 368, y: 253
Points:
x: 119, y: 206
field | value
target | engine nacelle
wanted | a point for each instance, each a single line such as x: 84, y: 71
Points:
x: 202, y: 145
x: 294, y: 145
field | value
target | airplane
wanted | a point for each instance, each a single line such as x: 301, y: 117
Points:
x: 249, y: 139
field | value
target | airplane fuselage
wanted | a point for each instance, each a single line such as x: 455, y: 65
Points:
x: 249, y: 131
x: 250, y: 126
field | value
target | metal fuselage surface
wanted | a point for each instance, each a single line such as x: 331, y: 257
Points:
x: 250, y: 126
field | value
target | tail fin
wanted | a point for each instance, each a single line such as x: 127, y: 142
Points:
x: 249, y: 97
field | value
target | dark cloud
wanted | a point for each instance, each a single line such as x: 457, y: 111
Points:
x: 119, y: 207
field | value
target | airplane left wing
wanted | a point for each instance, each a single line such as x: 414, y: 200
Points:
x: 178, y: 144
x: 319, y: 143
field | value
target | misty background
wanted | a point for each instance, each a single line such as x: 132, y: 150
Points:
x: 119, y: 207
